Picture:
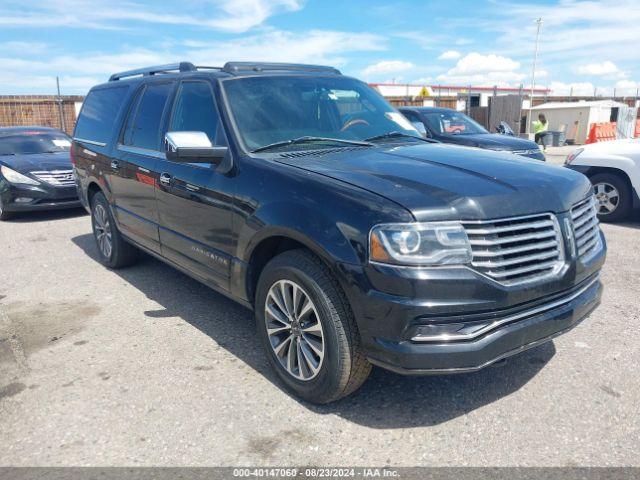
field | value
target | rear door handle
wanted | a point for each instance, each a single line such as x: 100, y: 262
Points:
x: 165, y: 179
x: 115, y: 164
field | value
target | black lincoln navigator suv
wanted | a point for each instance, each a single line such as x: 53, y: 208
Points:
x: 303, y: 195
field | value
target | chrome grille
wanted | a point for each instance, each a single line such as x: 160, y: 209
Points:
x: 59, y: 178
x: 516, y: 250
x: 585, y: 227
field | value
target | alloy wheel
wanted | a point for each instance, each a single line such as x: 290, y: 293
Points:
x: 607, y: 198
x: 294, y: 329
x: 102, y: 230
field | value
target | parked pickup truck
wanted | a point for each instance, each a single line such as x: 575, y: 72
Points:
x: 303, y: 195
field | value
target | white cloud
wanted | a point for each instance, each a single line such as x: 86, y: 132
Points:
x: 627, y: 87
x: 241, y: 15
x: 79, y: 72
x: 227, y: 15
x: 586, y: 30
x: 387, y: 66
x: 315, y: 46
x: 475, y: 63
x: 575, y: 88
x: 449, y: 55
x: 23, y: 48
x: 479, y: 69
x: 602, y: 69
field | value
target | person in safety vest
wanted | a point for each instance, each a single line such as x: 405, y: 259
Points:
x: 540, y: 128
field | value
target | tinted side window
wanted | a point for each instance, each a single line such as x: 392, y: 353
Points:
x: 195, y: 111
x: 143, y: 124
x: 99, y: 113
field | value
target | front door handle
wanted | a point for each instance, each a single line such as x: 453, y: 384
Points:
x: 165, y: 179
x: 115, y: 164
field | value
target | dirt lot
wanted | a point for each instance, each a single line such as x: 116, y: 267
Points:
x: 145, y: 366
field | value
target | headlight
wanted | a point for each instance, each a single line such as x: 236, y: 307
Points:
x: 14, y: 177
x: 572, y: 156
x: 416, y: 244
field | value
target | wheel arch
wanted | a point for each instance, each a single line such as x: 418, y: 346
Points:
x: 622, y: 174
x: 92, y: 188
x: 274, y: 241
x: 622, y: 166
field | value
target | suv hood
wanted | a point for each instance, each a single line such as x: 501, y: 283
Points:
x: 492, y: 141
x: 446, y: 182
x: 37, y: 162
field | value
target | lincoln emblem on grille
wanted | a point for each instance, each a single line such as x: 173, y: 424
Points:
x: 568, y: 232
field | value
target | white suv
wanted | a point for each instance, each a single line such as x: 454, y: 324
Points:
x: 614, y: 170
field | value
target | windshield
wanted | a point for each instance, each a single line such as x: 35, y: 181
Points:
x: 269, y: 110
x: 452, y: 123
x: 29, y: 142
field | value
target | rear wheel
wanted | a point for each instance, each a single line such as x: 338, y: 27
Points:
x: 114, y: 251
x: 613, y: 197
x: 307, y: 329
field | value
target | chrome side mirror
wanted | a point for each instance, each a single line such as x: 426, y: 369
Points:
x: 192, y: 147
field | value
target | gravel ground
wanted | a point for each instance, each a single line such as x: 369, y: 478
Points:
x: 144, y: 366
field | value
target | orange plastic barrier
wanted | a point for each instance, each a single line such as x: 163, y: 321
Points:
x: 602, y: 132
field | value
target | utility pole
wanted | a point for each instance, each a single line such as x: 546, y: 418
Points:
x: 60, y: 107
x: 533, y: 72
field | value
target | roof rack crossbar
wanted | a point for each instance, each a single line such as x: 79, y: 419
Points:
x: 235, y: 67
x: 172, y: 67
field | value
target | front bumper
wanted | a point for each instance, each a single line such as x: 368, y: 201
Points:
x: 506, y: 339
x: 42, y: 197
x: 446, y: 320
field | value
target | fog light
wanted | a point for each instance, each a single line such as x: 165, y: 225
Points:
x: 23, y: 200
x: 438, y: 330
x: 443, y: 332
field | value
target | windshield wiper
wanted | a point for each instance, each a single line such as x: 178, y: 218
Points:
x: 302, y: 140
x: 396, y: 134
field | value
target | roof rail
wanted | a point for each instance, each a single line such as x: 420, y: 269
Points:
x: 237, y: 67
x: 172, y: 67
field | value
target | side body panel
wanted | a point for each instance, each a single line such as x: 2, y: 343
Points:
x: 627, y: 160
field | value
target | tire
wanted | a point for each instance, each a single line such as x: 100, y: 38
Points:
x: 606, y: 185
x: 113, y: 250
x: 4, y: 215
x: 343, y: 368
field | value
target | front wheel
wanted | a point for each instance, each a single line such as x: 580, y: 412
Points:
x: 4, y: 215
x: 613, y: 197
x: 307, y: 328
x: 114, y: 251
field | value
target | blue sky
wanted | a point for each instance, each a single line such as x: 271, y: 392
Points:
x: 584, y: 44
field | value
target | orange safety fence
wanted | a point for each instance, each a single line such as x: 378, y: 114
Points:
x: 603, y: 132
